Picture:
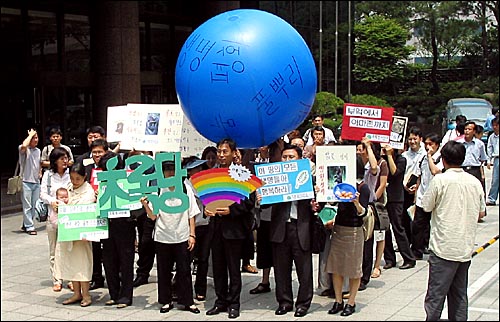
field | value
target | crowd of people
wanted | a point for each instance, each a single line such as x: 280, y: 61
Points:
x: 182, y: 242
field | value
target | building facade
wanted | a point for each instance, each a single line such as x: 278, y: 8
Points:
x: 64, y: 62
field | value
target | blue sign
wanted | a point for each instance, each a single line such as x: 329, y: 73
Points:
x: 285, y: 181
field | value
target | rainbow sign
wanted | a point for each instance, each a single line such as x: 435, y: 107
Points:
x: 221, y: 187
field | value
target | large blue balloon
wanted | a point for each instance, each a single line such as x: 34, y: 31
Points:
x: 245, y: 74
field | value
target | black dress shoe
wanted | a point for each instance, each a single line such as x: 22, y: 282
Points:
x: 336, y: 308
x: 362, y: 287
x: 300, y: 312
x: 216, y: 310
x: 407, y: 266
x: 167, y: 307
x: 95, y: 285
x: 140, y: 280
x: 282, y: 309
x: 348, y: 310
x: 192, y: 309
x: 233, y: 313
x: 388, y: 266
x: 261, y: 288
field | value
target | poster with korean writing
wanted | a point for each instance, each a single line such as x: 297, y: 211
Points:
x: 398, y: 132
x: 285, y: 181
x: 373, y: 122
x: 147, y: 127
x: 334, y: 164
x: 114, y: 199
x: 192, y: 142
x: 116, y: 124
x: 80, y: 222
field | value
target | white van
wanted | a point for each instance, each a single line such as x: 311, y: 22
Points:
x: 475, y: 109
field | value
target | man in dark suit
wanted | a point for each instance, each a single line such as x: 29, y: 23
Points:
x: 229, y: 227
x: 291, y: 224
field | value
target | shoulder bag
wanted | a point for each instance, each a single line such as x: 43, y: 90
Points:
x: 15, y: 183
x: 41, y: 208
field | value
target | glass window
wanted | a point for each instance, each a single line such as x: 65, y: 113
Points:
x: 77, y: 42
x: 42, y: 28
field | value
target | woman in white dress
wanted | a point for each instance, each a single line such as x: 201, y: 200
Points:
x: 74, y: 258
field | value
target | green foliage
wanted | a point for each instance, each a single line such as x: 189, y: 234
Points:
x: 327, y: 103
x: 379, y: 51
x: 369, y: 100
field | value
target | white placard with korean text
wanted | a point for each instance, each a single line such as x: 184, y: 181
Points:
x: 192, y: 142
x: 334, y: 164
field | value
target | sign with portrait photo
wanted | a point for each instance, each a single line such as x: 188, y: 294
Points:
x: 334, y: 164
x: 398, y: 132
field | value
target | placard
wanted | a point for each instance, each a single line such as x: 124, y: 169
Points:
x: 114, y: 197
x: 373, y: 122
x: 334, y: 164
x: 192, y: 142
x: 81, y: 222
x: 117, y: 118
x: 398, y: 132
x: 285, y: 181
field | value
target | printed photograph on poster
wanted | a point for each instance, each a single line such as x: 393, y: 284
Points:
x: 398, y: 132
x: 334, y: 164
x: 152, y: 123
x: 116, y: 124
x: 336, y: 175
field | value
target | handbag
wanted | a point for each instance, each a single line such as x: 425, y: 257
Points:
x: 15, y: 183
x: 319, y: 234
x: 41, y: 208
x: 369, y: 222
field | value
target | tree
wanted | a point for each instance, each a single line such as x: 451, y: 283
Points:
x: 380, y: 51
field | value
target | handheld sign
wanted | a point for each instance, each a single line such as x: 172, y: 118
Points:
x: 285, y: 181
x: 81, y: 222
x: 373, y: 122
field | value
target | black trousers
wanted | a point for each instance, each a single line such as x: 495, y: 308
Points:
x: 146, y: 249
x: 202, y: 252
x: 226, y: 263
x: 166, y: 256
x: 118, y: 258
x: 248, y: 251
x: 421, y: 228
x: 284, y: 255
x: 97, y: 276
x: 396, y: 214
x: 367, y: 261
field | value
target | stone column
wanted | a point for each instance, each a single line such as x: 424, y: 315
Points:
x: 116, y: 55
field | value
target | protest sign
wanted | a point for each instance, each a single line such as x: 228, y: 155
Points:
x: 285, y: 181
x: 373, y: 122
x: 80, y: 222
x: 334, y: 164
x: 398, y: 132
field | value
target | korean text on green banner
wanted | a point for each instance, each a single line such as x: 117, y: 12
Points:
x: 81, y: 222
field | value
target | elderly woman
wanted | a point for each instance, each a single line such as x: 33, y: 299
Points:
x: 56, y: 177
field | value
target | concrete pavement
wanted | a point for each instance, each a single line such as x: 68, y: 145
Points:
x: 26, y: 288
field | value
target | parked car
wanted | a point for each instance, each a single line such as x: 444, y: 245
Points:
x: 475, y: 109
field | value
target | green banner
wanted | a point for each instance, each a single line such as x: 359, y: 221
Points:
x: 114, y: 199
x: 81, y: 222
